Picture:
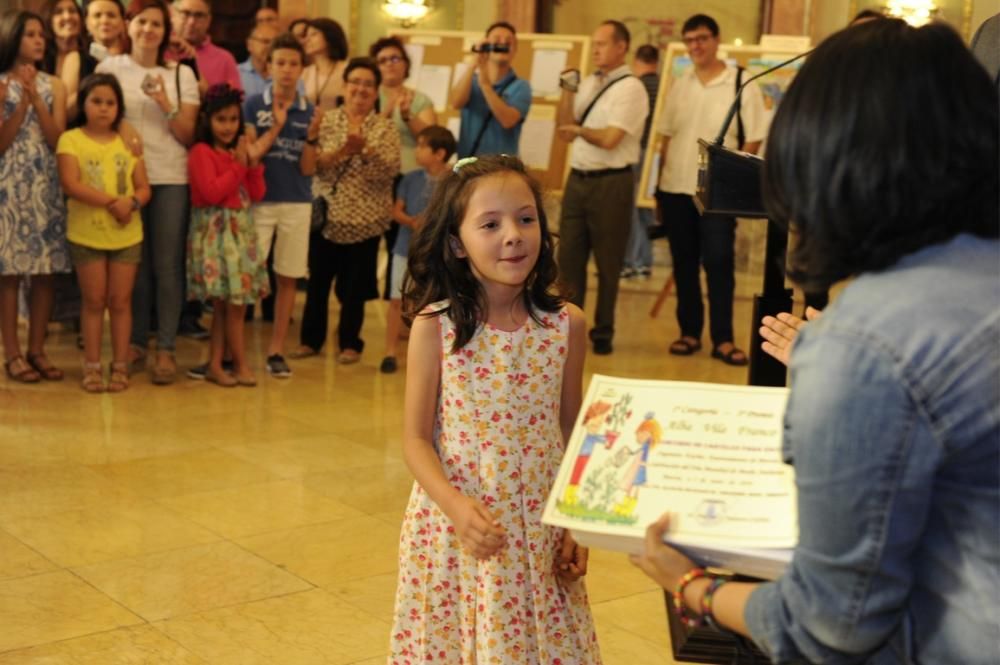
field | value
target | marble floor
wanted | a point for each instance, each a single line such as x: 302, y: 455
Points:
x: 193, y: 524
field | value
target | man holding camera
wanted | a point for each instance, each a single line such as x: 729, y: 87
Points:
x: 604, y: 122
x: 492, y: 99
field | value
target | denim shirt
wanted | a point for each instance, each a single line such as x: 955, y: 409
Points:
x: 893, y: 425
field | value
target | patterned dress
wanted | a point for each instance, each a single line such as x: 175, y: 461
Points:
x: 498, y: 436
x: 32, y: 209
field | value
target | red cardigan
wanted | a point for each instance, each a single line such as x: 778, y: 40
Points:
x: 216, y: 176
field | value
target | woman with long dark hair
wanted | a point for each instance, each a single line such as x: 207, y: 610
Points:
x: 882, y: 159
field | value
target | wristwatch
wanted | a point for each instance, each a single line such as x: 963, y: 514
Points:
x: 172, y: 113
x: 135, y: 203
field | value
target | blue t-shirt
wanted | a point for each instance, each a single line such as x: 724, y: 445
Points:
x: 496, y: 140
x: 414, y: 191
x: 282, y: 173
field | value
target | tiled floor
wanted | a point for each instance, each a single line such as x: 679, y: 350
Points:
x: 199, y: 525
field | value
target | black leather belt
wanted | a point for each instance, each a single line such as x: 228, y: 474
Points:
x: 600, y: 173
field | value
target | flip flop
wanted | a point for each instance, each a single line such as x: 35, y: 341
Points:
x: 729, y: 357
x: 684, y: 347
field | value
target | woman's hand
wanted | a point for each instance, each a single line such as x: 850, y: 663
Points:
x: 131, y: 138
x: 780, y: 332
x: 571, y: 564
x: 158, y: 94
x: 480, y: 533
x: 405, y: 101
x: 661, y: 563
x: 28, y: 75
x: 354, y: 145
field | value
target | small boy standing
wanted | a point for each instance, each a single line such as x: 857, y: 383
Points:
x: 435, y: 146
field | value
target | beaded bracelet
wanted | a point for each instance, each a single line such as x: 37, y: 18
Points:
x: 687, y: 618
x: 706, y: 602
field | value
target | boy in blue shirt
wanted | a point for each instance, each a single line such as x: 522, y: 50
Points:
x: 435, y: 146
x: 285, y: 132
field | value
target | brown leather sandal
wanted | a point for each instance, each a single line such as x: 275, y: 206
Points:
x: 93, y: 379
x: 118, y: 379
x: 41, y: 364
x: 18, y: 369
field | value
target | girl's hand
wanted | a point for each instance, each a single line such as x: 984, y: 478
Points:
x: 240, y: 152
x: 121, y: 209
x: 662, y: 563
x: 779, y: 332
x: 131, y: 138
x: 571, y: 564
x: 480, y: 533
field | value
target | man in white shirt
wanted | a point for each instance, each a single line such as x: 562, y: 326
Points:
x: 604, y: 121
x: 696, y: 108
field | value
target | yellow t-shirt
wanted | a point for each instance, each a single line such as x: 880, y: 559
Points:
x: 109, y: 168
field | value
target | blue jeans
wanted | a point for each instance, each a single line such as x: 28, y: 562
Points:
x: 639, y: 251
x: 160, y: 281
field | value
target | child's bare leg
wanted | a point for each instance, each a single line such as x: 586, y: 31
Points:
x: 93, y: 278
x: 284, y: 302
x: 235, y: 340
x: 217, y: 337
x: 121, y: 279
x: 393, y: 324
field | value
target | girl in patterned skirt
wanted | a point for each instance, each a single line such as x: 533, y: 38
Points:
x: 481, y: 579
x: 224, y: 264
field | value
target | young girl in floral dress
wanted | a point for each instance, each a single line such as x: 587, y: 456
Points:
x: 481, y: 579
x: 224, y: 264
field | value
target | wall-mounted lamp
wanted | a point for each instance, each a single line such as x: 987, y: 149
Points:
x: 407, y: 12
x: 914, y: 12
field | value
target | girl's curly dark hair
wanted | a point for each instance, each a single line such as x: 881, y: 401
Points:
x: 435, y: 273
x: 219, y: 96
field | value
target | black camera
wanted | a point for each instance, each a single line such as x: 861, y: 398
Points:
x: 487, y: 47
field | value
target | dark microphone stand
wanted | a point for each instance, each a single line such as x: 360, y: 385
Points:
x: 729, y: 183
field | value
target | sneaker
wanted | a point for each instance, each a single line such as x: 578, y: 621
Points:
x: 388, y: 365
x: 644, y: 272
x: 277, y: 367
x: 198, y: 373
x: 627, y: 273
x: 192, y: 330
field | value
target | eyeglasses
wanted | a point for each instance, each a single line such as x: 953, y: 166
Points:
x: 362, y: 83
x: 197, y: 16
x: 390, y: 60
x: 696, y: 39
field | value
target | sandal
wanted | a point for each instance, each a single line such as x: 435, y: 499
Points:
x: 19, y: 370
x: 685, y: 346
x: 93, y: 380
x: 349, y: 356
x: 225, y: 379
x: 118, y: 379
x: 303, y: 352
x: 733, y: 356
x: 41, y: 364
x: 165, y: 369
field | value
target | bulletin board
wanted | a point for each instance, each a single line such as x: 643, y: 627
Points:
x: 754, y: 59
x: 437, y: 63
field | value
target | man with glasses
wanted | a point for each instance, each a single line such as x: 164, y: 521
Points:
x: 192, y: 19
x: 492, y: 99
x: 254, y: 73
x: 696, y: 108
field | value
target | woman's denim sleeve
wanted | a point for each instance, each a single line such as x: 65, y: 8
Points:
x: 864, y: 464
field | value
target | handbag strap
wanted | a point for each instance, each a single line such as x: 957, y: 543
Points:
x: 741, y: 136
x: 590, y: 106
x: 489, y: 116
